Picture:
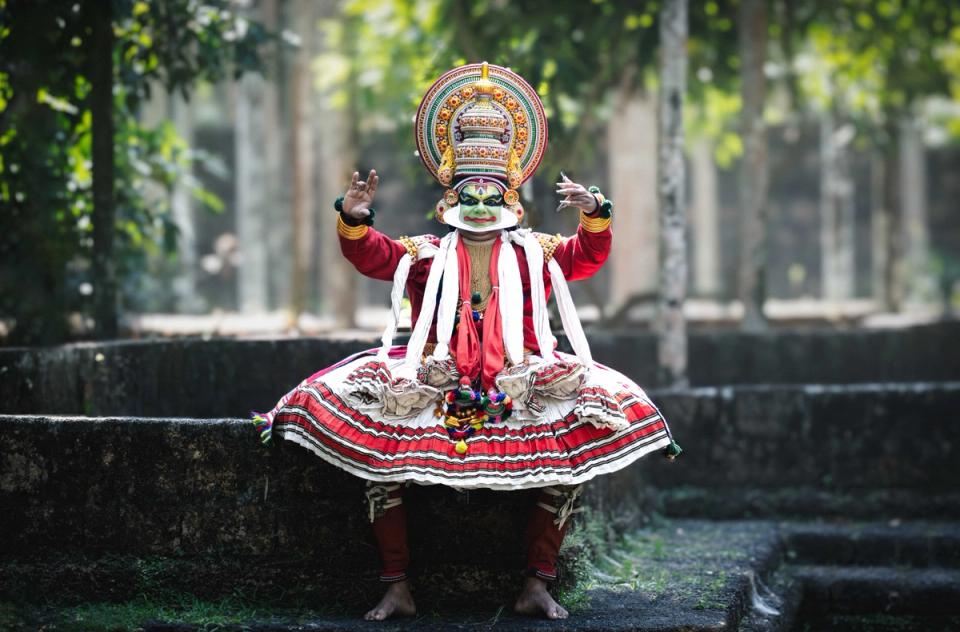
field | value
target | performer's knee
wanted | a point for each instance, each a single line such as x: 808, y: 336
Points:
x: 382, y: 497
x: 561, y: 500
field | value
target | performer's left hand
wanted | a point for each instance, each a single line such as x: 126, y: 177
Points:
x: 577, y: 196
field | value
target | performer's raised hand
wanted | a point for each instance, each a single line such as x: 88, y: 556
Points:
x: 359, y: 197
x: 576, y: 196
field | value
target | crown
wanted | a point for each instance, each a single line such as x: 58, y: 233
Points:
x: 481, y: 139
x: 481, y: 120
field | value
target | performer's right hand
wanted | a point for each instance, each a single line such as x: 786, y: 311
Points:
x: 359, y: 197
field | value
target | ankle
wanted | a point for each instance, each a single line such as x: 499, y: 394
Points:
x: 534, y: 584
x: 402, y: 587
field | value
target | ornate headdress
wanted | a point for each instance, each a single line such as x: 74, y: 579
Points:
x: 481, y: 122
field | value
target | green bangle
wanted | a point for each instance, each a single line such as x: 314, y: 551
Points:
x: 368, y: 220
x: 606, y: 208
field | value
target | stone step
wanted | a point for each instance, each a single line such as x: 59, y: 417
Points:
x: 692, y: 575
x: 196, y: 377
x: 135, y: 502
x: 879, y: 589
x: 750, y: 444
x: 669, y: 576
x: 800, y: 502
x: 918, y: 544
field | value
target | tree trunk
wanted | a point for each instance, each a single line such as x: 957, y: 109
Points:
x: 302, y: 136
x: 879, y: 230
x: 101, y: 107
x: 631, y: 142
x: 753, y: 170
x: 887, y: 221
x: 705, y: 221
x: 279, y: 240
x: 918, y: 284
x: 251, y: 196
x: 671, y: 326
x: 257, y: 157
x: 185, y: 284
x: 336, y: 157
x: 837, y: 212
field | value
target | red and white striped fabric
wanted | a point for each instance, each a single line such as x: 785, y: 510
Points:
x: 560, y: 442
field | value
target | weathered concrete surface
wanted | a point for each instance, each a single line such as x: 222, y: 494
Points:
x: 678, y: 580
x: 917, y: 543
x: 226, y: 377
x: 177, y: 378
x: 867, y: 589
x: 672, y: 575
x: 204, y: 499
x: 688, y: 575
x: 168, y: 486
x: 734, y: 502
x: 835, y: 438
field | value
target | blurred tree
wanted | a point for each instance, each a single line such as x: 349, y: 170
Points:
x: 580, y: 56
x: 672, y: 176
x: 573, y: 55
x: 875, y: 62
x: 752, y: 21
x: 47, y: 56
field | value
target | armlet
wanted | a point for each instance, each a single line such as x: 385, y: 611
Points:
x: 549, y: 244
x: 413, y: 244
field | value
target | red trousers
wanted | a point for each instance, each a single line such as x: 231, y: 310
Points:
x: 542, y: 537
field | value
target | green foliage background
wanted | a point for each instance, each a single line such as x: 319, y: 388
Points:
x: 45, y: 145
x: 872, y: 62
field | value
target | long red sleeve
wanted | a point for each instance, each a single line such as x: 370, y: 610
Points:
x: 373, y: 254
x: 581, y: 255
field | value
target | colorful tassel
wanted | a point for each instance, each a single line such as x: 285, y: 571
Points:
x: 672, y: 451
x: 465, y: 411
x: 264, y: 427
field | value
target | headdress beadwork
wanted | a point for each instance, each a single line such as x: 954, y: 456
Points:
x: 481, y: 120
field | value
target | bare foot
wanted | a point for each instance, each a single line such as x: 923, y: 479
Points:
x: 536, y: 601
x: 397, y: 601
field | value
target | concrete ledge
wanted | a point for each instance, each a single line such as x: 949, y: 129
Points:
x: 917, y: 544
x: 737, y: 502
x: 204, y: 502
x: 226, y: 377
x: 837, y: 439
x: 865, y: 589
x: 133, y: 499
x: 682, y: 581
x: 692, y: 575
x: 189, y: 486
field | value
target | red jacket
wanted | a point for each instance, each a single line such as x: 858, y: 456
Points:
x: 376, y: 255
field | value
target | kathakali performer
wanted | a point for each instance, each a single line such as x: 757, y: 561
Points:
x: 479, y: 397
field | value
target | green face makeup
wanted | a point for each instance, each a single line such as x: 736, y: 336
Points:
x: 480, y: 205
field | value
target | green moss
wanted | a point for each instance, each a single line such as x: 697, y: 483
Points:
x: 103, y: 617
x: 582, y: 545
x: 695, y: 566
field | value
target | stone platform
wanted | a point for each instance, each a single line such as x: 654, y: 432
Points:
x: 690, y: 575
x: 210, y: 378
x: 153, y: 512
